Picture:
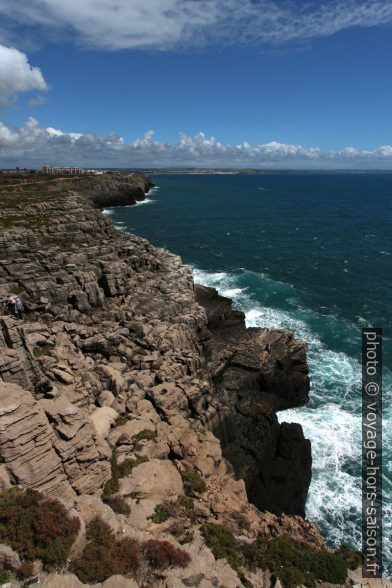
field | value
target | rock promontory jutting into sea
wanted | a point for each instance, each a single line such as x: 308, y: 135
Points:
x: 143, y: 403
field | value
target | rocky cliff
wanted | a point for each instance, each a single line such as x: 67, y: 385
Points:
x: 125, y: 380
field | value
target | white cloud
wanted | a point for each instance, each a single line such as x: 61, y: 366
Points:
x: 17, y: 75
x: 165, y: 24
x: 37, y: 100
x: 34, y: 146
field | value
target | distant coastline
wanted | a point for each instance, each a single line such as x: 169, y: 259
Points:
x: 211, y: 171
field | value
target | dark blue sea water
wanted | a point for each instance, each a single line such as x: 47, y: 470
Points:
x: 308, y: 252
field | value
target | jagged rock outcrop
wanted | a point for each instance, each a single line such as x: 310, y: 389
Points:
x: 256, y: 372
x: 26, y: 441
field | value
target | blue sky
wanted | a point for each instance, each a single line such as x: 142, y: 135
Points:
x: 252, y: 83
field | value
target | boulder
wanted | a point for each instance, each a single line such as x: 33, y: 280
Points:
x: 102, y: 419
x: 149, y: 485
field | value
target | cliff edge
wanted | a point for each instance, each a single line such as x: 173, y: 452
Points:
x: 141, y: 401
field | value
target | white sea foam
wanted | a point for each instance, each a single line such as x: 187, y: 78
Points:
x: 145, y: 201
x: 232, y: 292
x: 108, y: 211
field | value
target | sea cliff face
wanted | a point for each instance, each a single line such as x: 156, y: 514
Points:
x: 120, y: 358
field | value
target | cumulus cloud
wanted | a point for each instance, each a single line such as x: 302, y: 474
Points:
x: 34, y: 146
x: 17, y: 75
x: 165, y: 24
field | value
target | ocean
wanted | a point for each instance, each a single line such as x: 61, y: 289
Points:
x: 307, y: 252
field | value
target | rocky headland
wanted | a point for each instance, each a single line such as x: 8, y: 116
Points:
x: 141, y: 400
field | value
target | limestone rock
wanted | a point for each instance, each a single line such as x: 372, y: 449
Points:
x: 90, y: 507
x: 102, y: 419
x: 27, y: 444
x: 149, y: 485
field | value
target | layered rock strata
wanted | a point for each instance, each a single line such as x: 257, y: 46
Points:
x: 116, y: 341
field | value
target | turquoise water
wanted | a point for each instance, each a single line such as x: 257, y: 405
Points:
x: 308, y: 252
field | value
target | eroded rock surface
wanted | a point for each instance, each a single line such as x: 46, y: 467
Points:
x: 256, y: 372
x: 118, y: 352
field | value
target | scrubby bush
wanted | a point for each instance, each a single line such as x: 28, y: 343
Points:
x: 193, y: 482
x: 290, y: 560
x: 126, y: 467
x: 329, y: 567
x: 161, y: 514
x: 120, y: 421
x: 26, y: 570
x: 182, y: 508
x: 162, y: 554
x: 111, y: 486
x: 292, y: 577
x: 5, y: 576
x: 105, y: 556
x: 145, y: 434
x: 37, y: 527
x: 185, y: 508
x: 222, y: 544
x: 182, y: 532
x: 351, y: 557
x: 119, y: 505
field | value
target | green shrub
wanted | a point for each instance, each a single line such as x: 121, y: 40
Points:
x: 106, y: 556
x: 329, y: 567
x: 162, y: 554
x: 119, y: 505
x: 222, y: 544
x: 126, y: 467
x: 185, y: 508
x: 193, y: 482
x: 5, y: 576
x: 290, y: 559
x: 120, y: 421
x: 37, y: 527
x: 292, y: 577
x: 182, y: 532
x: 111, y: 487
x: 245, y: 582
x: 182, y: 508
x: 145, y: 434
x: 351, y: 557
x: 161, y: 514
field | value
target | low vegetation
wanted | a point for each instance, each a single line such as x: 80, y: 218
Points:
x: 193, y: 482
x: 120, y: 421
x: 162, y: 554
x: 5, y: 576
x: 119, y: 505
x: 119, y: 471
x: 145, y: 434
x: 222, y: 544
x: 183, y: 507
x: 37, y: 527
x: 351, y: 557
x: 295, y: 564
x: 105, y: 555
x: 290, y: 561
